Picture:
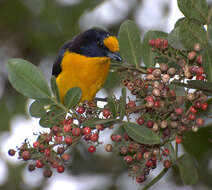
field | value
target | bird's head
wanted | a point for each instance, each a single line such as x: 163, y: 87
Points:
x: 96, y: 43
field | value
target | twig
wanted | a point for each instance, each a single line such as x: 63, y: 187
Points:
x: 134, y: 109
x: 156, y: 179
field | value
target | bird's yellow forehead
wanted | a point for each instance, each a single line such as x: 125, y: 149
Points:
x: 111, y: 43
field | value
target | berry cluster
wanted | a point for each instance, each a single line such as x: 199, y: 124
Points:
x: 52, y: 150
x: 158, y: 106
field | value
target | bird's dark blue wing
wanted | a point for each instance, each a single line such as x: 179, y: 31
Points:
x: 56, y: 69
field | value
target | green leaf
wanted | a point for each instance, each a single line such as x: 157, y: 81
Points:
x: 194, y: 9
x: 196, y: 84
x: 54, y: 88
x: 192, y: 32
x: 174, y: 38
x: 207, y: 62
x: 73, y: 97
x: 27, y: 79
x: 37, y: 109
x: 51, y: 118
x: 147, y: 54
x: 122, y: 105
x: 141, y: 134
x: 188, y: 170
x: 112, y: 105
x: 130, y: 42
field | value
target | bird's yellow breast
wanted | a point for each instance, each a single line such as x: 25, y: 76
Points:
x: 88, y: 73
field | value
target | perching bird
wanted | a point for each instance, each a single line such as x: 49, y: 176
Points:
x: 84, y: 62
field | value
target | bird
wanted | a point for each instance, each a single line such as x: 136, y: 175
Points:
x: 84, y: 62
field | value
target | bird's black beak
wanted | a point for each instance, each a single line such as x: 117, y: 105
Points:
x: 115, y: 56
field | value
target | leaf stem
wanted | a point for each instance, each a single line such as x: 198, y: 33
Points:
x: 156, y: 179
x: 176, y: 150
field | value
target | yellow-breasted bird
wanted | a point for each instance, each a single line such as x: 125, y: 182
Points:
x: 84, y: 62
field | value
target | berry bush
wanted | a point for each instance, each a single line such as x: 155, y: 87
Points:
x: 166, y: 91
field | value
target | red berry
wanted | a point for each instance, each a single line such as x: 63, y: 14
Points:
x: 91, y: 149
x: 55, y: 129
x: 106, y: 113
x: 150, y: 124
x: 26, y: 155
x: 149, y: 163
x: 200, y: 121
x: 165, y: 44
x: 140, y: 120
x: 80, y: 110
x: 199, y: 59
x: 68, y: 140
x: 67, y: 128
x: 157, y: 104
x: 149, y: 99
x: 179, y: 111
x: 76, y: 131
x: 167, y: 164
x: 204, y: 106
x: 39, y: 164
x: 94, y: 137
x: 131, y: 104
x: 54, y: 164
x: 65, y: 157
x: 118, y: 138
x: 126, y: 136
x: 178, y: 139
x: 58, y: 139
x: 47, y: 152
x: 152, y: 42
x: 200, y: 71
x: 166, y: 152
x: 158, y: 43
x: 193, y: 110
x: 60, y: 169
x: 149, y: 70
x: 47, y: 173
x: 36, y: 144
x: 191, y: 116
x: 128, y: 159
x: 140, y: 179
x: 86, y: 130
x: 69, y: 121
x: 198, y: 104
x: 11, y: 152
x: 200, y: 77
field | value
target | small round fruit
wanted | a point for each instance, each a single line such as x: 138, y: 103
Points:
x: 91, y: 149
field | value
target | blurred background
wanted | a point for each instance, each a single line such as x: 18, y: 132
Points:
x: 35, y: 30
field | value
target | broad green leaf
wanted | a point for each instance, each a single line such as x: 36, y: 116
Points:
x: 73, y: 97
x: 112, y: 105
x: 122, y: 105
x: 27, y: 79
x: 196, y: 84
x: 52, y: 118
x: 130, y: 42
x: 141, y: 134
x: 188, y: 170
x: 194, y: 9
x: 174, y: 38
x: 55, y: 88
x: 191, y: 32
x: 147, y: 54
x: 37, y: 109
x: 207, y: 62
